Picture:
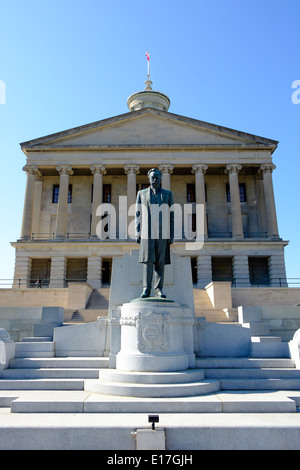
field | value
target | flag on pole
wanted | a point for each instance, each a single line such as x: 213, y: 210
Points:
x: 148, y: 58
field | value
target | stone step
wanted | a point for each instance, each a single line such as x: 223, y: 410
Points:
x: 270, y: 349
x: 152, y: 390
x: 218, y: 402
x: 85, y: 402
x: 89, y: 315
x: 260, y: 384
x: 99, y: 298
x: 186, y: 376
x: 50, y: 373
x: 215, y: 316
x: 57, y: 362
x: 265, y: 339
x: 41, y: 384
x: 204, y: 307
x: 50, y: 402
x: 201, y: 299
x: 35, y: 349
x: 242, y: 362
x: 36, y: 339
x: 83, y: 315
x: 253, y: 373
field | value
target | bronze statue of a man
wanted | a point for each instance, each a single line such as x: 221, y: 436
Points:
x: 154, y: 232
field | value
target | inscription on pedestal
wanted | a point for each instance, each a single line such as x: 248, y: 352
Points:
x: 152, y: 332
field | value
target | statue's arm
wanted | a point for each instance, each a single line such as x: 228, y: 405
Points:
x: 171, y: 202
x: 138, y: 218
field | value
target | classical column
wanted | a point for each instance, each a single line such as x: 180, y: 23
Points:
x: 62, y: 209
x: 26, y: 230
x: 272, y: 226
x: 236, y: 213
x: 166, y: 170
x: 199, y: 170
x: 98, y: 171
x: 37, y: 203
x: 131, y: 171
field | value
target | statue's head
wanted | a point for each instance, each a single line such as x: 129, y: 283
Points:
x: 154, y: 176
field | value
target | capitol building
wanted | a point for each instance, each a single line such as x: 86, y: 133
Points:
x: 71, y: 173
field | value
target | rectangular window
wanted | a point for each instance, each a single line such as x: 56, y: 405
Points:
x: 242, y: 188
x: 55, y: 193
x: 70, y: 194
x: 107, y: 193
x: 106, y: 271
x: 190, y: 192
x: 76, y: 270
x: 259, y: 271
x: 40, y: 268
x: 222, y: 268
x: 140, y: 186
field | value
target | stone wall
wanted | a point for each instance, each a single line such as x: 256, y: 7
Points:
x: 265, y: 296
x: 34, y: 297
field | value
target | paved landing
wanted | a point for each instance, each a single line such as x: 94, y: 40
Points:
x: 79, y: 401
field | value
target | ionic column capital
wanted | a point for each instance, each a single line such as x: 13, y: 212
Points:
x: 32, y: 170
x: 166, y: 168
x: 131, y: 169
x: 98, y: 169
x: 64, y: 170
x: 233, y: 168
x: 267, y: 167
x: 199, y: 168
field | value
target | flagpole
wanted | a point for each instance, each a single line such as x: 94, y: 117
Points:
x: 148, y: 59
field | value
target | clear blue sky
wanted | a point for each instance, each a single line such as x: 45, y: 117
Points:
x: 65, y: 63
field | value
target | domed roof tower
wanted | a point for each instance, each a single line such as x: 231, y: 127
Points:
x: 148, y: 97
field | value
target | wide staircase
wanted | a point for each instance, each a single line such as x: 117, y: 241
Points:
x: 203, y: 307
x: 98, y: 303
x: 38, y: 382
x: 97, y: 306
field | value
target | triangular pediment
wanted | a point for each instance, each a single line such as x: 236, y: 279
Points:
x: 147, y: 127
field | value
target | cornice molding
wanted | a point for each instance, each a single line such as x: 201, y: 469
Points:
x: 148, y: 147
x: 123, y: 118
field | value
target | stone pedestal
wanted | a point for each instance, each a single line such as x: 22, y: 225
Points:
x: 156, y: 336
x: 152, y: 347
x: 152, y: 353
